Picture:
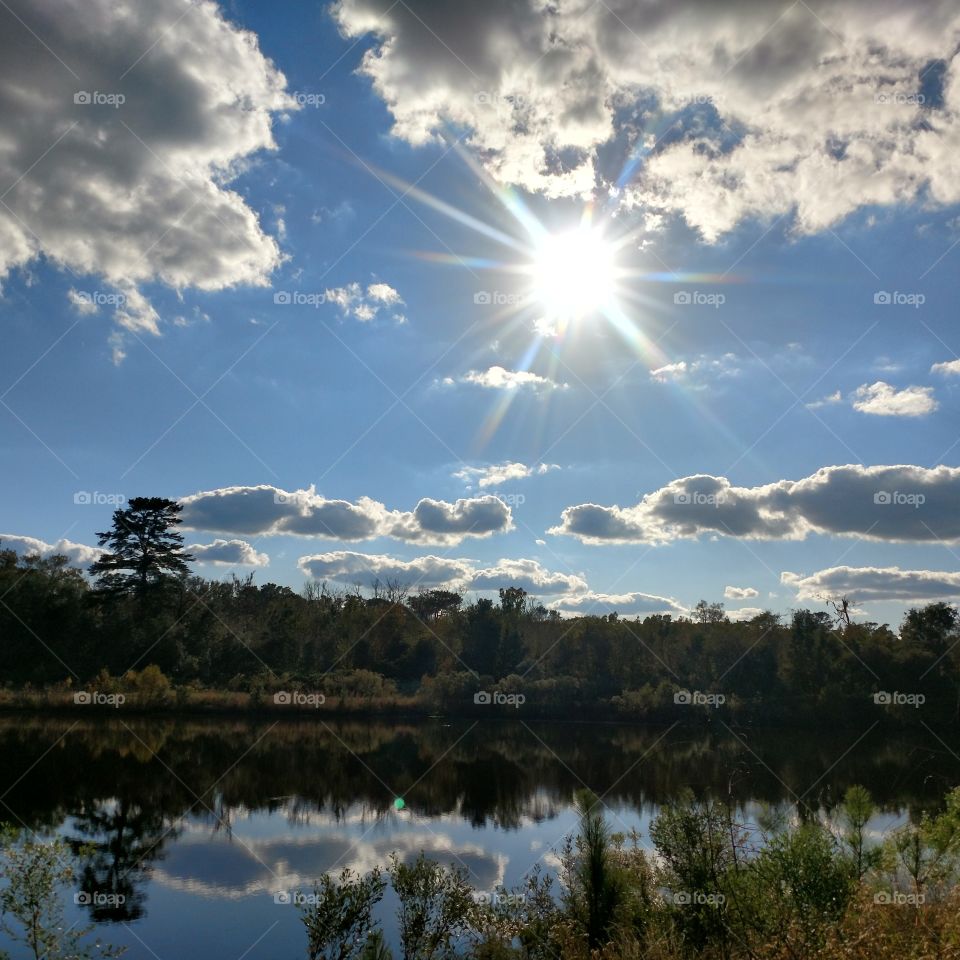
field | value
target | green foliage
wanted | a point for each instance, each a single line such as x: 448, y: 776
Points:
x: 436, y: 907
x: 36, y: 874
x: 927, y: 853
x: 148, y: 610
x: 595, y: 890
x: 339, y: 919
x: 855, y: 813
x: 792, y: 892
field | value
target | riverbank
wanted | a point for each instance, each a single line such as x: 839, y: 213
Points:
x: 149, y: 693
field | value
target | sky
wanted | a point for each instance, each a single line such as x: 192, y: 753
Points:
x: 626, y: 304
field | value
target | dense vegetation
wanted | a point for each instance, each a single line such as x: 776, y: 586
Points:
x: 430, y: 650
x: 715, y: 887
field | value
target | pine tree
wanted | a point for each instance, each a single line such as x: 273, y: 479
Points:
x: 144, y: 547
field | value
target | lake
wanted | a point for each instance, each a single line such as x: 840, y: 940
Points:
x: 201, y: 826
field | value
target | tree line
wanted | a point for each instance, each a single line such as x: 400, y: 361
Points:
x: 142, y: 607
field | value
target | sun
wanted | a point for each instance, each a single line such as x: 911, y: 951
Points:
x: 574, y: 273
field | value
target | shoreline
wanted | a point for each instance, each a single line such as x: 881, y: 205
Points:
x: 234, y: 705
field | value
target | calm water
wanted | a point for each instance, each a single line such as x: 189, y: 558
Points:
x: 199, y: 824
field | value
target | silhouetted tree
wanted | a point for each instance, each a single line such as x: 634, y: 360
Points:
x: 144, y: 548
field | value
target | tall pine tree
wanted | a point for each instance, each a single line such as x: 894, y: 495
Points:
x: 144, y: 548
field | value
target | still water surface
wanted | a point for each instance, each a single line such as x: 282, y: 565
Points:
x: 199, y: 825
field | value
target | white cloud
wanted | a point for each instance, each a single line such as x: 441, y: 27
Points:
x: 740, y: 593
x: 82, y: 302
x: 768, y: 112
x: 701, y: 370
x: 122, y: 135
x: 495, y: 474
x: 949, y: 368
x: 891, y: 503
x: 625, y: 604
x: 364, y: 569
x: 744, y: 613
x: 875, y: 583
x: 529, y: 575
x: 828, y: 401
x: 883, y: 400
x: 79, y: 554
x: 269, y: 510
x: 498, y: 378
x: 228, y: 553
x: 669, y: 371
x: 383, y: 293
x: 364, y: 306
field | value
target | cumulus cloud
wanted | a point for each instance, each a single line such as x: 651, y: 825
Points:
x: 744, y: 613
x: 270, y: 510
x: 365, y: 570
x: 498, y: 378
x: 79, y: 554
x: 122, y: 134
x: 758, y: 111
x: 949, y: 368
x: 883, y: 400
x: 364, y: 305
x: 625, y: 604
x: 875, y: 583
x: 740, y: 593
x: 437, y: 521
x: 529, y: 575
x: 228, y: 553
x: 495, y: 474
x: 891, y: 503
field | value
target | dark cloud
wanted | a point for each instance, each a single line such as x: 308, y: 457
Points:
x: 269, y: 510
x: 875, y: 583
x: 892, y: 503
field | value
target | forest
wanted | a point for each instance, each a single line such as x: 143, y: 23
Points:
x: 141, y: 622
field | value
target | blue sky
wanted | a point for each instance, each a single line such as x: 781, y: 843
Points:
x: 256, y: 283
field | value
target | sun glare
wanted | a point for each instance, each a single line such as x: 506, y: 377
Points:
x: 574, y: 273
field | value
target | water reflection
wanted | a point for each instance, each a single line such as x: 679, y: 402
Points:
x: 224, y: 811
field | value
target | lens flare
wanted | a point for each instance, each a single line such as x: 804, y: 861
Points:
x: 574, y: 273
